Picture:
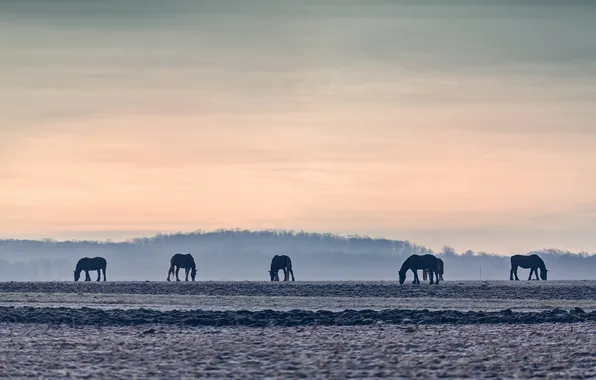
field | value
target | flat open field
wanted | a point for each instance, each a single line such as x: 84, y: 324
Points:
x: 461, y: 329
x: 333, y: 296
x: 547, y: 351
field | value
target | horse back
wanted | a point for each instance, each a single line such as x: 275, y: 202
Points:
x: 416, y: 262
x: 280, y: 262
x: 183, y: 260
x: 529, y: 261
x: 89, y: 263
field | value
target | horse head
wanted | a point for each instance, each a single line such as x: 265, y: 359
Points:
x: 77, y: 275
x: 543, y: 274
x: 402, y: 277
x: 272, y: 275
x: 193, y: 273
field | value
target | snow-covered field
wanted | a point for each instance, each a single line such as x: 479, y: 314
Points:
x: 462, y: 329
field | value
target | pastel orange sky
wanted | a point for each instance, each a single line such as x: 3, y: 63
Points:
x: 446, y: 123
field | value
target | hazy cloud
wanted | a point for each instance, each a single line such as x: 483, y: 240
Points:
x: 448, y: 116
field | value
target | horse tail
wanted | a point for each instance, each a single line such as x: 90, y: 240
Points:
x: 171, y: 271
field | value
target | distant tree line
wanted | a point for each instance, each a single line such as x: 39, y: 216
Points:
x: 245, y: 255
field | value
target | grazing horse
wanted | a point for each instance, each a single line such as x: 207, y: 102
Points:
x: 281, y: 262
x: 417, y: 262
x: 187, y: 262
x: 532, y: 261
x: 86, y: 264
x: 440, y: 271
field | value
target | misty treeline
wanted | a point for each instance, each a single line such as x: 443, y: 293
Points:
x: 245, y: 255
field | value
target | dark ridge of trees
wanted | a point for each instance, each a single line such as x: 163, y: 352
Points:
x: 245, y: 255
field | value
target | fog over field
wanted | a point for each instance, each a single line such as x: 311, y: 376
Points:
x: 236, y: 255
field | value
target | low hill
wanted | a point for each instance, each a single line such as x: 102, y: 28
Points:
x: 245, y: 255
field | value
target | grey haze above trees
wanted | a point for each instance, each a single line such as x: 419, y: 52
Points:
x: 246, y: 255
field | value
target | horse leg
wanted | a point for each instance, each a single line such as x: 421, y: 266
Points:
x: 87, y: 277
x: 98, y: 274
x: 292, y: 273
x: 177, y: 270
x: 424, y: 275
x: 286, y: 274
x: 536, y: 273
x: 531, y: 271
x: 431, y: 274
x: 170, y: 271
x: 515, y: 273
x: 186, y: 270
x: 104, y: 273
x: 416, y: 279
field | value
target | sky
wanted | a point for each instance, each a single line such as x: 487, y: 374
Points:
x: 452, y: 122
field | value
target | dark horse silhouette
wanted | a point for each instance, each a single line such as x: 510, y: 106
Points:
x: 417, y: 262
x: 281, y: 262
x: 532, y: 261
x: 86, y: 264
x: 187, y: 262
x: 440, y: 270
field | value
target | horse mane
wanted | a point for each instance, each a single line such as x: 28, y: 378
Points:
x: 542, y: 265
x: 273, y: 263
x: 405, y: 266
x: 192, y: 261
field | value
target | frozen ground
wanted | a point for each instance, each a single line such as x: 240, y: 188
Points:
x: 543, y: 290
x: 462, y: 329
x: 254, y: 303
x: 335, y: 296
x: 549, y: 351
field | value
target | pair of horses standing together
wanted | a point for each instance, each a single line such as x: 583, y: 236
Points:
x: 430, y: 265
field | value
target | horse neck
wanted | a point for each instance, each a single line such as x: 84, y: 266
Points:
x: 405, y: 266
